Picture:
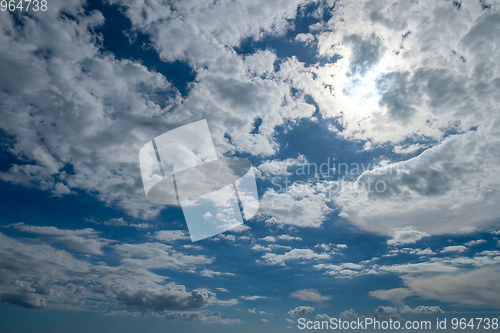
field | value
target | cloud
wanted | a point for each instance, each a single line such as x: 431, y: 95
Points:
x: 295, y: 254
x: 37, y: 276
x: 157, y: 255
x: 289, y: 238
x: 422, y: 267
x: 270, y: 247
x: 83, y: 240
x: 300, y: 205
x: 322, y: 317
x: 170, y: 236
x: 394, y: 295
x: 349, y: 314
x: 310, y: 295
x: 430, y: 180
x: 169, y: 298
x: 478, y: 287
x: 253, y: 298
x: 270, y: 239
x: 210, y: 273
x: 386, y: 309
x: 104, y: 123
x: 398, y: 80
x: 406, y: 235
x: 197, y: 316
x: 279, y: 167
x: 455, y: 248
x: 331, y: 247
x: 301, y: 310
x: 422, y: 309
x: 476, y: 242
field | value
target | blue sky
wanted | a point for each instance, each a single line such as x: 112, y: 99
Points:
x: 399, y: 95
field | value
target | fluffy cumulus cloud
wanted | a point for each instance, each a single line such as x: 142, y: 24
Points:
x: 349, y: 314
x: 406, y: 235
x: 386, y: 309
x: 301, y: 310
x: 301, y: 205
x: 454, y: 248
x: 67, y: 105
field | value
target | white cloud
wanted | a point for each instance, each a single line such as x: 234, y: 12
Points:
x: 386, y: 309
x: 194, y: 247
x: 349, y: 314
x: 210, y: 273
x: 295, y: 254
x: 301, y: 310
x: 310, y: 295
x: 270, y: 247
x: 476, y: 242
x: 101, y: 110
x: 253, y: 298
x: 157, y: 255
x: 289, y: 238
x: 405, y: 236
x: 456, y: 248
x: 302, y: 205
x: 277, y: 167
x: 269, y: 239
x: 331, y: 247
x: 389, y: 49
x: 421, y: 309
x: 82, y: 240
x: 171, y: 236
x: 322, y: 317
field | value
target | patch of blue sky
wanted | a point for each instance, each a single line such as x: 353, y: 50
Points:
x: 122, y: 42
x: 287, y: 46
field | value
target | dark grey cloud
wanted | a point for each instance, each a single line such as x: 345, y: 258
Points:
x: 366, y: 52
x: 25, y: 300
x: 168, y: 299
x: 36, y: 275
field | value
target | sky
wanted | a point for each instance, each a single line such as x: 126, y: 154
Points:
x: 371, y: 126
